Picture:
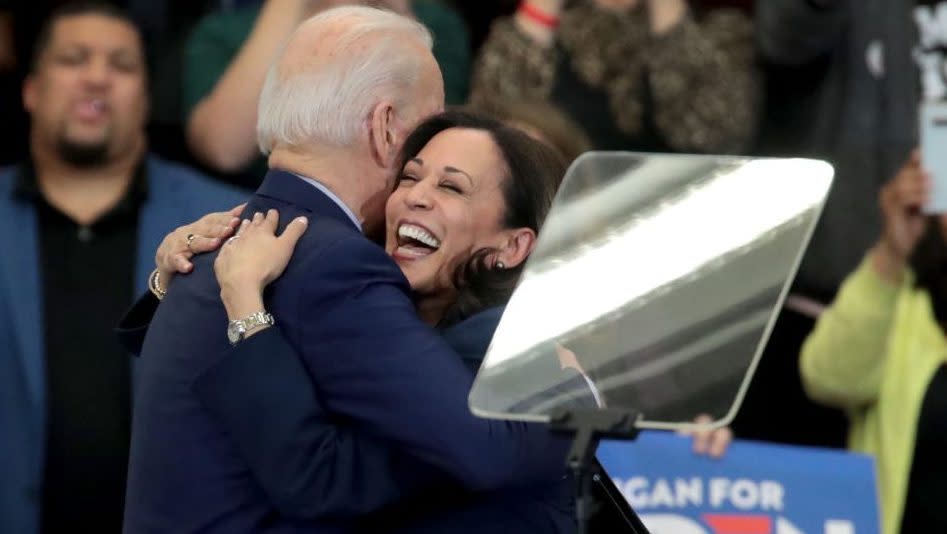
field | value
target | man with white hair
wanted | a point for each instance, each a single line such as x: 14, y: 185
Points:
x: 335, y: 109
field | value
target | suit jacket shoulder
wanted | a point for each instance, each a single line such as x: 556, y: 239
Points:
x: 351, y: 256
x: 471, y: 337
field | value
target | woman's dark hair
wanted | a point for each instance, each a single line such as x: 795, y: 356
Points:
x: 532, y: 175
x: 929, y: 263
x: 558, y: 129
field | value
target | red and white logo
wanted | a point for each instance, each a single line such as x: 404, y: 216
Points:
x: 735, y: 524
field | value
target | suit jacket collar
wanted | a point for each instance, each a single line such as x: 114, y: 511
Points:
x: 18, y: 232
x: 289, y: 188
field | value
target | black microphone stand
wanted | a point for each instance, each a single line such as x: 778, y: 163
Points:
x: 588, y: 427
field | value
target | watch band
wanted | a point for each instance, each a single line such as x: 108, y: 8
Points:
x: 237, y: 330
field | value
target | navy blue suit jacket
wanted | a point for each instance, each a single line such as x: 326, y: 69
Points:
x: 443, y: 507
x: 539, y: 508
x: 202, y: 454
x: 176, y: 195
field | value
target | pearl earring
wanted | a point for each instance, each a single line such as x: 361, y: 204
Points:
x: 500, y: 265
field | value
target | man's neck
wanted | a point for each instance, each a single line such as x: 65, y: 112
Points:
x: 336, y: 169
x: 84, y: 194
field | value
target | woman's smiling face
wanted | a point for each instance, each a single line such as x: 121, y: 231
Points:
x: 448, y: 204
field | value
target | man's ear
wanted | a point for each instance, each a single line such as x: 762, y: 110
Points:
x: 29, y: 93
x: 383, y: 136
x: 519, y: 244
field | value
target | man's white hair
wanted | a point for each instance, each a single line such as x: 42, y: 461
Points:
x: 330, y: 102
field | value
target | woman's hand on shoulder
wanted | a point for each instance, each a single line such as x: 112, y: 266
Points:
x: 204, y: 235
x: 253, y: 258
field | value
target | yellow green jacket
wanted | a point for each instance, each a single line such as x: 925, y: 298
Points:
x: 873, y: 354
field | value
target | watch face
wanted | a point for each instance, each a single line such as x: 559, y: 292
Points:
x: 234, y: 332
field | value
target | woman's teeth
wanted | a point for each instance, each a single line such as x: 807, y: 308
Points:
x: 418, y: 234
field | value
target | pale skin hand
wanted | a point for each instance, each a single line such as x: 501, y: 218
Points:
x: 174, y: 255
x: 249, y: 262
x: 901, y: 202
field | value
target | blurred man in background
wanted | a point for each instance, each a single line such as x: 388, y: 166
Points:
x: 79, y: 221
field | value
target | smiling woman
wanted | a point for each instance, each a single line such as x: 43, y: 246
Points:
x: 465, y: 213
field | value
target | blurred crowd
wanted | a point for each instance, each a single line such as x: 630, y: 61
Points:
x: 857, y: 357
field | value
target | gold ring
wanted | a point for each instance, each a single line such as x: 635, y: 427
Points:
x: 188, y: 240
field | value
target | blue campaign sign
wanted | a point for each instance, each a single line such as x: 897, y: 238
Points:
x: 755, y: 489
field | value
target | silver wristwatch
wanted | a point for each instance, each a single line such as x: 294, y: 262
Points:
x: 238, y: 330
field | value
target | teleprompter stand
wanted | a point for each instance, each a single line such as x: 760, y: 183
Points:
x: 588, y: 427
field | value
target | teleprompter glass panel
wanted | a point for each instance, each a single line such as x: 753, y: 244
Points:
x: 653, y: 287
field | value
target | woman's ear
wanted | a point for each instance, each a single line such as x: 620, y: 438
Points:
x: 383, y: 136
x: 519, y: 245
